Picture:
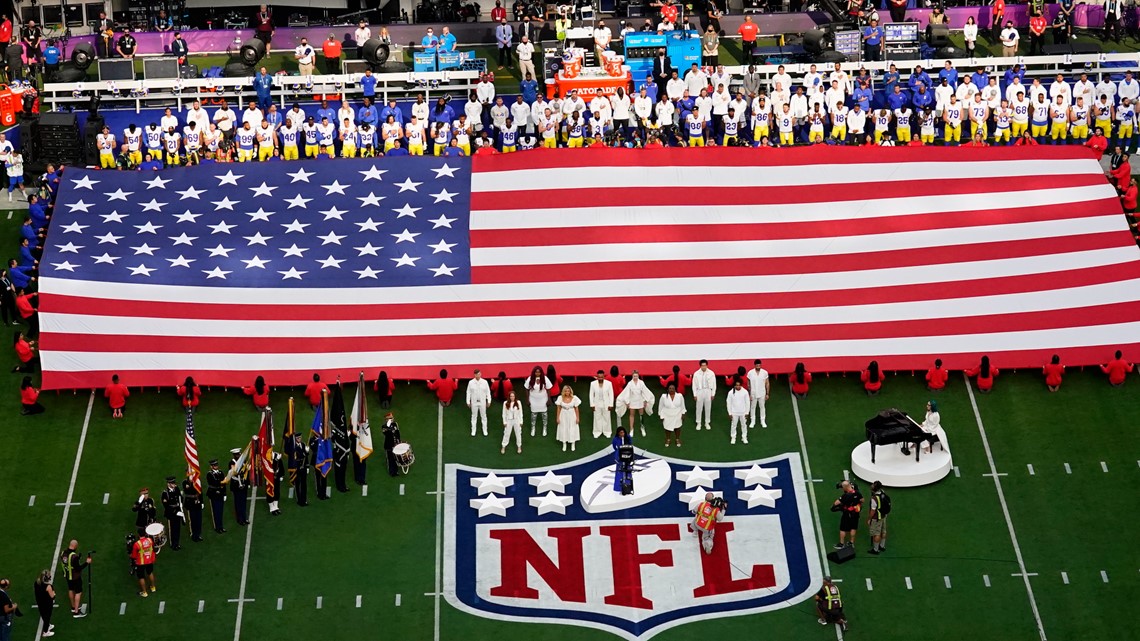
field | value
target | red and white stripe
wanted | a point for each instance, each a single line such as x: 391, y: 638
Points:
x: 831, y: 256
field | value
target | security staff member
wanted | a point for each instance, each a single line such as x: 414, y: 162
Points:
x: 216, y: 492
x: 73, y: 566
x: 144, y: 510
x: 172, y: 510
x: 877, y: 519
x: 829, y: 604
x: 239, y: 486
x: 848, y: 504
x: 192, y: 502
x: 321, y: 481
x: 298, y: 454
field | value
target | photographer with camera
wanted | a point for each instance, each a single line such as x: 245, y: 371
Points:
x: 8, y: 610
x: 848, y: 504
x: 73, y: 566
x: 708, y: 514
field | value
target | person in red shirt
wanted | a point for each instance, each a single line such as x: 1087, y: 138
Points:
x: 682, y: 381
x: 617, y: 380
x: 668, y: 11
x: 498, y: 13
x: 936, y: 377
x: 655, y: 143
x: 985, y: 373
x: 28, y: 397
x: 978, y: 141
x: 143, y: 554
x: 26, y: 352
x: 485, y: 150
x: 332, y: 50
x: 1098, y: 142
x: 501, y: 388
x: 28, y: 311
x: 741, y: 373
x: 915, y: 141
x: 444, y: 388
x: 315, y: 391
x: 555, y: 382
x: 189, y: 392
x: 1128, y: 198
x: 801, y: 380
x: 116, y: 394
x: 748, y: 31
x: 385, y: 388
x: 1122, y: 175
x: 1053, y: 371
x: 260, y: 393
x: 872, y: 379
x: 1117, y: 369
x: 1036, y: 34
x: 1026, y: 140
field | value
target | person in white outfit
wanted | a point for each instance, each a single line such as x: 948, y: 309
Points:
x: 739, y: 402
x: 478, y: 399
x: 671, y: 408
x: 602, y: 403
x: 704, y: 389
x: 931, y: 425
x: 538, y: 389
x: 512, y: 423
x: 636, y: 397
x: 568, y: 418
x: 760, y: 388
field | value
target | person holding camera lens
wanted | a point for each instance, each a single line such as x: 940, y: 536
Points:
x: 848, y: 505
x: 707, y: 515
x: 8, y: 610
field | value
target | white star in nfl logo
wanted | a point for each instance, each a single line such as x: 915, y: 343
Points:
x: 549, y: 482
x: 759, y: 496
x: 757, y: 475
x: 551, y: 502
x: 492, y: 483
x: 697, y: 476
x: 496, y: 505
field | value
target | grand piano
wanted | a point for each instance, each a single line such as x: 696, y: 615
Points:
x: 891, y: 426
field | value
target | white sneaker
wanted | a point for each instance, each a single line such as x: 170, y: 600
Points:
x: 484, y: 432
x: 746, y: 441
x: 764, y: 425
x: 472, y: 431
x: 752, y: 426
x: 572, y: 446
x: 698, y: 428
x: 643, y: 431
x: 563, y: 447
x: 47, y: 634
x: 732, y: 442
x: 532, y: 432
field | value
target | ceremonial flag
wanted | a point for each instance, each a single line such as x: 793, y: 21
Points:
x: 645, y: 258
x: 360, y: 421
x: 190, y: 452
x: 338, y: 425
x: 287, y: 441
x: 265, y: 452
x: 320, y: 429
x: 238, y: 467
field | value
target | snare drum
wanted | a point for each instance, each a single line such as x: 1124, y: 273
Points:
x: 404, y: 456
x: 157, y: 533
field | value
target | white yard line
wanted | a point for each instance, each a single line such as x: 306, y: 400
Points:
x: 245, y: 564
x: 1005, y: 510
x: 438, y: 516
x: 811, y: 493
x: 70, y: 492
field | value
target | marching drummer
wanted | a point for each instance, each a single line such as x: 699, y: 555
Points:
x: 172, y: 510
x: 143, y: 554
x: 144, y: 510
x: 391, y: 431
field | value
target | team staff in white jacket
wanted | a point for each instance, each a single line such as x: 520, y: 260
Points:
x: 478, y: 399
x: 738, y: 404
x: 602, y: 403
x: 760, y: 388
x: 704, y: 389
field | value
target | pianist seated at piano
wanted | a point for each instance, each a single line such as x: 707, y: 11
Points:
x: 932, y: 425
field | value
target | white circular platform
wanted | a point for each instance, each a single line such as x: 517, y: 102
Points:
x: 896, y: 469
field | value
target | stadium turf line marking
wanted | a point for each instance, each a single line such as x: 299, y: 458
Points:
x: 908, y: 584
x: 290, y: 494
x: 122, y: 610
x: 1068, y: 470
x: 438, y: 514
x: 106, y: 498
x: 320, y: 602
x: 201, y: 606
x: 1104, y: 467
x: 946, y: 580
x: 280, y: 602
x: 161, y: 607
x: 1005, y: 509
x: 71, y: 494
x: 401, y: 489
x: 869, y: 586
x: 364, y: 490
x: 9, y: 215
x: 846, y: 475
x: 957, y: 472
x: 245, y: 565
x: 32, y: 501
x: 811, y: 493
x: 358, y: 600
x: 1104, y: 576
x: 986, y: 580
x: 397, y: 600
x: 1065, y: 578
x: 1031, y: 472
x: 996, y: 474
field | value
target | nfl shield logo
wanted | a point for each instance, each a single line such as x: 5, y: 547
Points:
x: 562, y: 545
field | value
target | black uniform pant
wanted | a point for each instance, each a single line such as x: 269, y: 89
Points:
x: 359, y: 470
x: 8, y: 307
x: 175, y: 526
x: 195, y: 522
x: 45, y: 608
x: 241, y: 505
x: 301, y: 488
x: 393, y: 468
x: 340, y: 470
x: 504, y: 56
x: 217, y: 511
x: 748, y: 46
x: 322, y: 483
x: 1035, y: 44
x: 332, y: 66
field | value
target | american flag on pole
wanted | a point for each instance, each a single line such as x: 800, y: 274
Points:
x: 190, y: 451
x: 831, y: 256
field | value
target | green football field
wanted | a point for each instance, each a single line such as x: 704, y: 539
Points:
x: 1062, y: 509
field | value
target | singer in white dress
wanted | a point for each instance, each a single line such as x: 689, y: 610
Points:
x: 569, y: 432
x: 671, y: 408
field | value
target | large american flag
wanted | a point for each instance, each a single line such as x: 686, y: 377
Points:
x: 645, y: 258
x: 190, y: 452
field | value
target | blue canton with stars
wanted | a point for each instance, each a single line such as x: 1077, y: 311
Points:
x: 382, y: 222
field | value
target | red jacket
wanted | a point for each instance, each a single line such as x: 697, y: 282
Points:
x: 1025, y: 142
x: 498, y: 14
x: 24, y: 350
x: 6, y: 31
x: 116, y: 395
x: 444, y: 388
x: 331, y: 48
x: 391, y: 387
x: 684, y: 384
x: 1117, y: 369
x: 800, y: 388
x: 936, y: 377
x: 730, y: 381
x: 917, y: 142
x: 868, y: 384
x: 1128, y: 199
x: 984, y: 384
x: 1053, y: 374
x: 1098, y: 144
x: 260, y: 401
x: 618, y: 382
x: 1122, y: 175
x: 195, y: 396
x: 314, y: 392
x: 24, y: 305
x: 28, y: 395
x: 556, y: 387
x: 508, y: 387
x: 1037, y: 25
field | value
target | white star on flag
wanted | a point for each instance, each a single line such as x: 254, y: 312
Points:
x: 294, y: 251
x: 187, y: 217
x: 335, y: 188
x: 334, y: 213
x: 331, y: 238
x: 190, y: 192
x: 370, y: 199
x: 299, y: 176
x: 697, y: 476
x: 258, y: 239
x: 220, y: 251
x: 79, y: 205
x: 262, y: 190
x: 367, y: 272
x: 693, y: 499
x: 549, y: 482
x: 292, y: 272
x: 231, y: 178
x: 298, y: 201
x: 74, y: 227
x: 158, y: 182
x: 216, y: 272
x: 551, y: 502
x: 148, y: 228
x: 442, y: 221
x: 144, y: 249
x: 368, y: 249
x: 260, y: 214
x: 221, y: 228
x: 408, y: 185
x: 70, y: 248
x: 255, y: 262
x: 181, y: 261
x: 141, y: 270
x: 118, y: 194
x: 373, y: 174
x: 114, y: 217
x: 443, y: 270
x: 442, y: 246
x: 85, y: 183
x: 369, y: 225
x: 296, y: 226
x: 108, y: 238
x: 444, y: 195
x: 183, y: 239
x: 760, y: 496
x: 405, y: 236
x: 446, y: 170
x: 65, y: 266
x: 407, y: 210
x: 330, y: 262
x: 496, y: 505
x: 757, y: 475
x: 492, y: 483
x: 405, y: 260
x: 226, y: 203
x: 106, y: 258
x: 154, y: 205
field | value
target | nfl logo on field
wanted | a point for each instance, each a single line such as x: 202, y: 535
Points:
x: 562, y: 545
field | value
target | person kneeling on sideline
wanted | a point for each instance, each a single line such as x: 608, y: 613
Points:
x: 829, y: 605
